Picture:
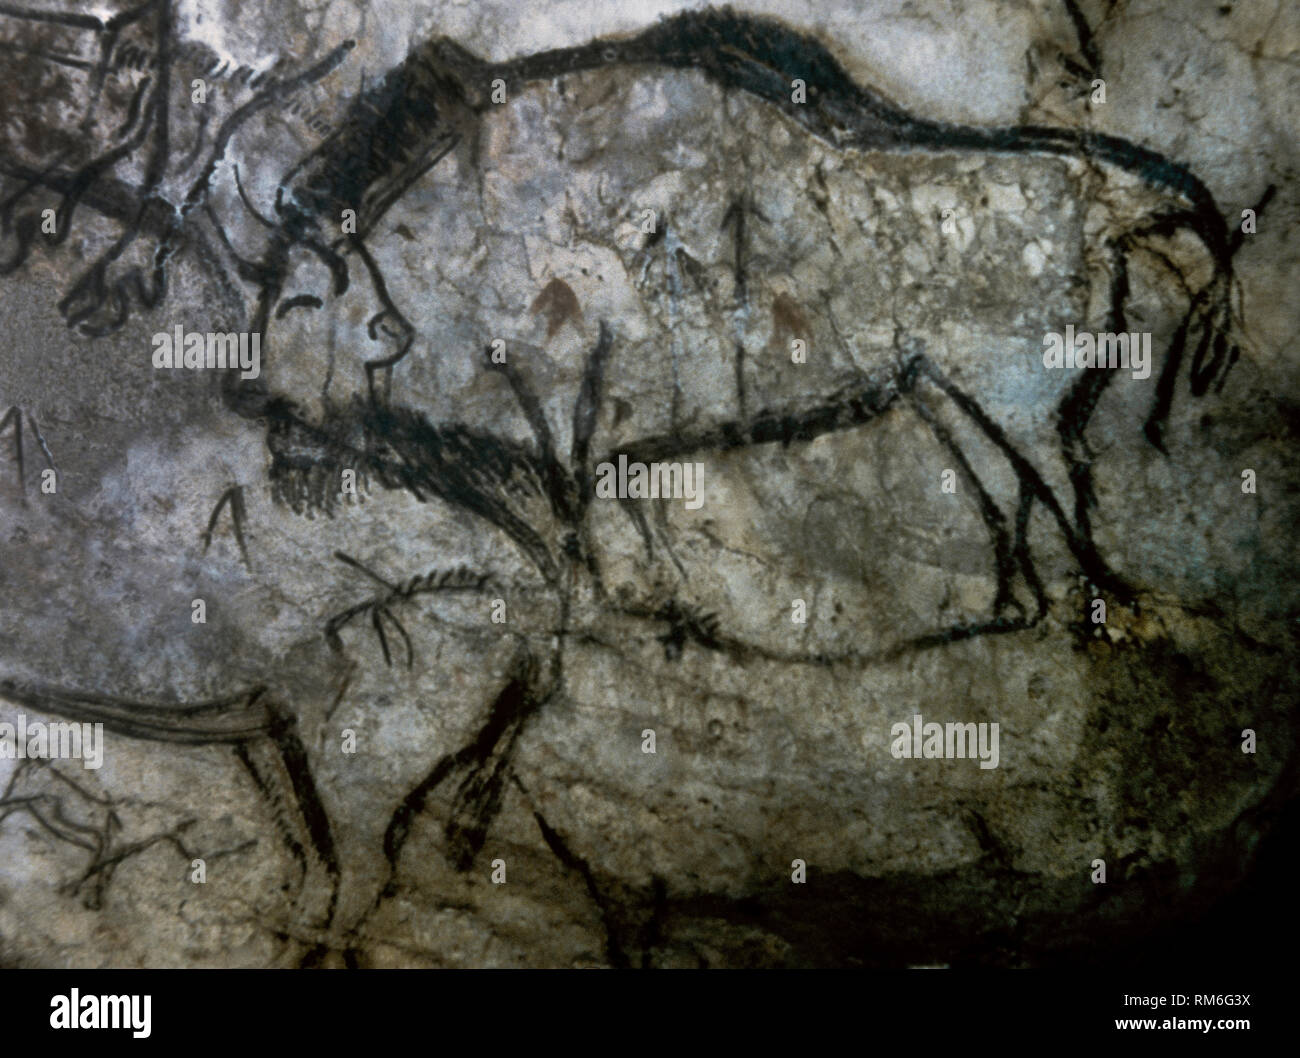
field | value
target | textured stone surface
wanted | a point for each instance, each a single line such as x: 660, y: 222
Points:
x: 522, y: 741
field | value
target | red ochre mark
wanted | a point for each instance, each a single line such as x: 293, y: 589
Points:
x: 559, y: 304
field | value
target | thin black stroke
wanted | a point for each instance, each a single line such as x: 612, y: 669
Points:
x: 614, y: 951
x: 234, y: 497
x: 1087, y: 43
x: 14, y: 415
x: 585, y: 412
x: 484, y: 761
x: 380, y: 608
x: 559, y: 486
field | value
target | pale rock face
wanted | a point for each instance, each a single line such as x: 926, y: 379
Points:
x: 828, y: 588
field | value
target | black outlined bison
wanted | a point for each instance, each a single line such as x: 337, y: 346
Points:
x: 681, y: 355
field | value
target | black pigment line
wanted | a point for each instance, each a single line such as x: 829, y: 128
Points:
x: 854, y: 407
x: 234, y: 496
x: 560, y: 488
x: 477, y: 800
x: 586, y: 409
x: 735, y: 219
x: 1076, y: 408
x: 49, y: 56
x: 230, y: 720
x: 283, y: 731
x: 1087, y: 43
x: 1024, y: 509
x: 614, y: 952
x: 14, y: 415
x: 1082, y: 546
x: 739, y: 362
x: 994, y: 520
x: 459, y: 579
x: 269, y: 789
x: 66, y: 18
x: 298, y: 301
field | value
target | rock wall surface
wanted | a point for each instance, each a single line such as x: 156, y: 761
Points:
x: 457, y: 694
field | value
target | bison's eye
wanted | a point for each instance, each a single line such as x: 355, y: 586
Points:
x: 298, y: 301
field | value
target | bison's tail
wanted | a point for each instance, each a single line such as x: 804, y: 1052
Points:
x: 1210, y: 329
x: 1207, y: 329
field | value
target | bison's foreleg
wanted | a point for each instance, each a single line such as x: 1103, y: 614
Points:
x: 1008, y: 536
x: 484, y: 766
